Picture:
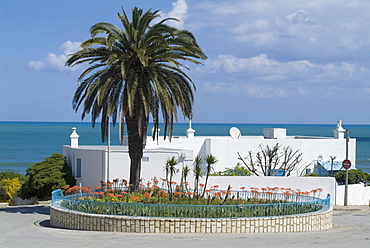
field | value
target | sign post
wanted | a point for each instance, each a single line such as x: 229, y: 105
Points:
x: 346, y: 165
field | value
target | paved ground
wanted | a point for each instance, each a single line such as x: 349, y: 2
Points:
x: 29, y: 226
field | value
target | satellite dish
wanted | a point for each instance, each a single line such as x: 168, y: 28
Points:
x: 235, y: 133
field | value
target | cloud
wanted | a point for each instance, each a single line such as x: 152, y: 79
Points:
x: 250, y: 90
x: 264, y: 68
x: 55, y: 62
x: 262, y: 77
x: 179, y: 11
x: 299, y: 17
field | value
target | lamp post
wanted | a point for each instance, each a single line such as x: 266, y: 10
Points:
x: 332, y: 161
x: 346, y: 184
x: 108, y: 157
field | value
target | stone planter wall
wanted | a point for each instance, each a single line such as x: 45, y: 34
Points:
x: 94, y: 222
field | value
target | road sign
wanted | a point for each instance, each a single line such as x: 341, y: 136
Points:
x: 346, y: 164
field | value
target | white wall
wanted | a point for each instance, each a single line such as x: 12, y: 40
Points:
x: 92, y: 164
x: 358, y: 194
x: 226, y: 148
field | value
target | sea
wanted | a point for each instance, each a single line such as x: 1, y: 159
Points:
x: 25, y: 143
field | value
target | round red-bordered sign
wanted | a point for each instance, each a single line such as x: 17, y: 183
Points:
x: 346, y: 164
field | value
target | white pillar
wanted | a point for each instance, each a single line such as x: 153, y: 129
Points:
x: 190, y: 132
x: 74, y: 138
x: 339, y: 131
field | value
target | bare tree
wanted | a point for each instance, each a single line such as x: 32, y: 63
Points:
x: 270, y: 161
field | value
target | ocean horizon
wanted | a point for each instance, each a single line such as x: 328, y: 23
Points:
x: 25, y: 143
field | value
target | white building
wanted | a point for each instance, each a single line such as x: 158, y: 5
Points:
x: 92, y: 164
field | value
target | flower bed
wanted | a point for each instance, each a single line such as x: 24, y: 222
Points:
x: 214, y: 204
x: 184, y: 210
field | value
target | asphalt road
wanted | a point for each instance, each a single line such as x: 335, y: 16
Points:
x: 29, y: 226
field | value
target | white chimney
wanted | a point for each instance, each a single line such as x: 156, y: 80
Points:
x: 74, y: 138
x: 190, y: 132
x: 339, y: 131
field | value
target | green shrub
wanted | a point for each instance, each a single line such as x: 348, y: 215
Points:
x: 46, y: 176
x: 238, y: 170
x: 311, y: 175
x: 354, y: 176
x: 11, y: 175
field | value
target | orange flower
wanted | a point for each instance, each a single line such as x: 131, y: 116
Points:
x: 177, y: 187
x: 186, y: 183
x: 66, y: 186
x: 242, y: 187
x: 147, y: 195
x: 111, y: 195
x: 119, y: 195
x: 110, y: 190
x: 85, y: 189
x: 150, y: 189
x: 155, y: 186
x: 189, y: 193
x: 179, y: 193
x: 201, y: 185
x: 218, y: 194
x: 216, y: 186
x: 97, y: 187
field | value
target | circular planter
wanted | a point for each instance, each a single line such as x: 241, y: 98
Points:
x: 65, y: 218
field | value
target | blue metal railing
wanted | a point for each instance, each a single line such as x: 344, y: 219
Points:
x: 297, y: 204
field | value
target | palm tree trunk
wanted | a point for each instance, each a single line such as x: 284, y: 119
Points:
x: 136, y: 139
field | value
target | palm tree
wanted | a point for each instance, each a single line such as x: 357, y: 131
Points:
x: 135, y: 73
x: 210, y: 160
x: 198, y: 172
x: 171, y: 170
x: 184, y: 174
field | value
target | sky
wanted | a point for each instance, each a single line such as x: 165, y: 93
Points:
x: 281, y: 61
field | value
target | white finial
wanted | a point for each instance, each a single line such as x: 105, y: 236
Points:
x: 190, y: 132
x: 339, y: 131
x: 74, y: 138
